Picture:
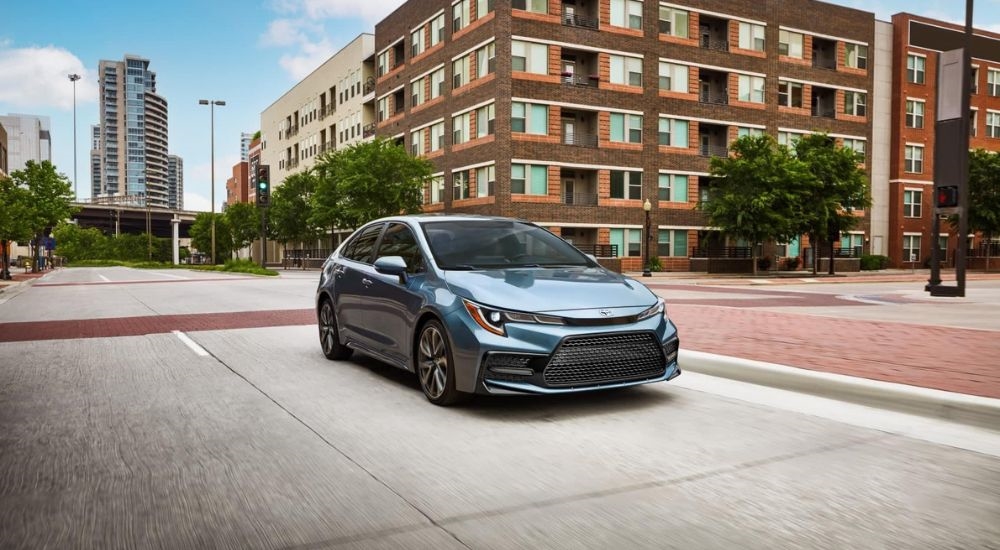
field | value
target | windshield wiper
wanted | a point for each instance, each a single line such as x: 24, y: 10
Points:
x: 459, y: 267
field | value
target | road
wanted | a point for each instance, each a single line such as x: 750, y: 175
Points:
x: 235, y: 432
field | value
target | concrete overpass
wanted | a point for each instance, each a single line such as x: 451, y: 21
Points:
x: 116, y: 218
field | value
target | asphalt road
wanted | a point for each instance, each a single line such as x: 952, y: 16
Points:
x: 249, y: 438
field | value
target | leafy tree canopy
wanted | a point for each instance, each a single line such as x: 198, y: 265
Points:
x: 201, y: 235
x: 291, y: 208
x: 984, y: 192
x: 243, y: 219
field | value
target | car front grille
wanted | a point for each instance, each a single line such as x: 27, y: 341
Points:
x: 606, y: 358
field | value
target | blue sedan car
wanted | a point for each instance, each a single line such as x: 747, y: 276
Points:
x: 490, y: 305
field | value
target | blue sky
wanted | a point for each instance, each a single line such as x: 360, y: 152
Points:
x: 247, y: 53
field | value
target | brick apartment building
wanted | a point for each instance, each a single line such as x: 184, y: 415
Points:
x: 914, y: 103
x: 237, y: 185
x: 573, y: 113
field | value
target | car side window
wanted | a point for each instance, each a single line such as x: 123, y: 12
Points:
x: 360, y: 248
x: 399, y: 241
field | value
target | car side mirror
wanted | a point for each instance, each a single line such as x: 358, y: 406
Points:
x: 392, y: 265
x: 593, y: 258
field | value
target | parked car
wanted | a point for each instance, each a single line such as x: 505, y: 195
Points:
x: 490, y: 305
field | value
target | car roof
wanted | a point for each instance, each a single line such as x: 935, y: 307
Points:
x: 431, y: 218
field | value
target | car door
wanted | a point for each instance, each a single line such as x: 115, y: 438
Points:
x: 349, y: 273
x: 391, y: 306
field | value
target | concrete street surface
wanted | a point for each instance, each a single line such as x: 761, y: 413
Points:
x: 177, y: 409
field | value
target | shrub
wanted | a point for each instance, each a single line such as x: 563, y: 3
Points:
x: 873, y: 262
x: 654, y: 264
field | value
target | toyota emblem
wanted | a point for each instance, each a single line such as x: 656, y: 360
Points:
x: 605, y: 313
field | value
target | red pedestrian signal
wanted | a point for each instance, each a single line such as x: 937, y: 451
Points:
x: 946, y: 197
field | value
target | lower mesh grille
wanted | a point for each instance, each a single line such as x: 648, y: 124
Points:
x: 503, y: 366
x: 605, y: 359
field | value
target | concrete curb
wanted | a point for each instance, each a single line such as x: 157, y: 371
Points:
x: 972, y: 410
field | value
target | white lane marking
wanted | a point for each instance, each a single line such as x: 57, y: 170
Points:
x: 191, y: 343
x: 103, y: 278
x: 171, y: 275
x: 923, y: 428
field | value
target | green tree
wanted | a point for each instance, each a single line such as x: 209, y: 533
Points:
x: 837, y: 190
x: 757, y: 191
x: 15, y: 219
x: 201, y: 235
x: 51, y: 199
x: 366, y: 181
x: 76, y: 243
x: 244, y: 224
x: 291, y: 209
x: 984, y: 196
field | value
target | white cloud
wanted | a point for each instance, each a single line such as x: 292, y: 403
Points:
x: 38, y: 77
x: 370, y: 10
x: 196, y: 202
x: 310, y: 56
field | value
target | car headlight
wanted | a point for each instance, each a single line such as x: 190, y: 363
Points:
x: 493, y: 319
x: 659, y: 308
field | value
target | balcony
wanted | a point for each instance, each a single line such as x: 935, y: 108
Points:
x: 579, y: 186
x: 579, y: 68
x: 824, y: 102
x: 713, y: 87
x: 824, y: 53
x: 292, y: 131
x: 292, y: 163
x: 369, y: 85
x: 327, y: 110
x: 368, y: 130
x: 709, y: 150
x: 578, y: 139
x: 712, y: 140
x: 579, y: 199
x: 575, y: 16
x: 579, y: 128
x: 589, y: 81
x: 714, y: 33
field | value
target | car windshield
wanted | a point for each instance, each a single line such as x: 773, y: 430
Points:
x: 493, y: 244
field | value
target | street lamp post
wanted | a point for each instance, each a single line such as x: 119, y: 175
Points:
x: 73, y: 78
x: 211, y: 106
x: 647, y: 206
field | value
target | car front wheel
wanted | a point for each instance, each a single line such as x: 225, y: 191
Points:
x: 435, y: 366
x: 329, y: 337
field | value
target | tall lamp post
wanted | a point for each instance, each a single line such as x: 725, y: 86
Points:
x: 647, y: 206
x: 73, y: 78
x: 211, y: 106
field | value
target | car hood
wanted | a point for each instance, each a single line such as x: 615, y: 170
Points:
x: 563, y: 290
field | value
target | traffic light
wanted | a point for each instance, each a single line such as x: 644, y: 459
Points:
x: 946, y: 196
x: 263, y: 185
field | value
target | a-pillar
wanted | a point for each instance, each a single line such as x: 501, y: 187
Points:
x: 175, y: 225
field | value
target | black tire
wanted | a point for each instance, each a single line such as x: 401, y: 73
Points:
x: 435, y: 365
x: 329, y: 336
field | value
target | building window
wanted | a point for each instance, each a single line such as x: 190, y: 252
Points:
x: 626, y: 128
x: 911, y: 248
x: 789, y: 94
x: 459, y: 15
x: 915, y: 69
x: 673, y: 188
x: 534, y: 6
x: 485, y: 125
x: 437, y: 189
x: 437, y: 83
x: 626, y: 70
x: 485, y: 180
x: 673, y: 132
x: 460, y: 185
x: 529, y: 179
x: 751, y: 37
x: 626, y: 185
x: 416, y: 93
x: 483, y: 7
x: 417, y: 142
x: 460, y: 72
x: 383, y: 63
x: 626, y: 13
x: 854, y: 103
x: 529, y: 57
x: 437, y: 136
x: 914, y: 159
x: 857, y: 145
x: 974, y: 80
x: 788, y: 139
x: 628, y: 241
x: 437, y: 30
x: 486, y: 60
x: 751, y: 88
x: 672, y: 242
x: 993, y: 82
x: 673, y: 77
x: 973, y: 122
x: 993, y: 124
x: 460, y: 128
x: 674, y: 22
x: 383, y: 110
x: 914, y: 114
x: 912, y: 200
x: 856, y: 56
x: 790, y: 44
x: 417, y: 44
x: 529, y: 118
x: 742, y: 131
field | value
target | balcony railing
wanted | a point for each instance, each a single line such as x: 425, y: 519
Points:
x: 598, y: 250
x: 292, y: 131
x: 580, y: 139
x: 328, y: 110
x: 368, y: 130
x: 713, y: 44
x: 580, y: 199
x: 589, y: 81
x: 369, y: 85
x: 292, y: 163
x: 714, y: 98
x: 713, y: 150
x: 721, y: 252
x: 821, y: 63
x: 574, y: 20
x: 825, y: 113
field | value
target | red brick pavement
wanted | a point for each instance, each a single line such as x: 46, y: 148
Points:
x: 951, y: 359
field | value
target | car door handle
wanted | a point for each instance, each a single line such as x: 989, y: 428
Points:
x: 338, y: 271
x: 367, y: 282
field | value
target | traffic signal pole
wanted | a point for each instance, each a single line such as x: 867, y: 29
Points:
x: 263, y: 194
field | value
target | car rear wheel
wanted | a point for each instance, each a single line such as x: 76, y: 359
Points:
x: 435, y: 366
x: 329, y: 337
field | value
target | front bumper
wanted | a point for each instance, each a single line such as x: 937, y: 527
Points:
x: 500, y: 387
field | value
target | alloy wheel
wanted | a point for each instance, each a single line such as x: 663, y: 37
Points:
x: 433, y: 362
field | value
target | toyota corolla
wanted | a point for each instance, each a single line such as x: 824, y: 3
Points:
x: 490, y: 305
